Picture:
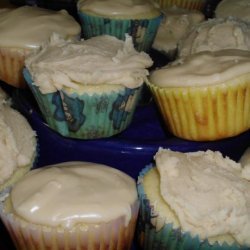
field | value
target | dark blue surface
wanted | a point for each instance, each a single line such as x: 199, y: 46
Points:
x: 129, y: 151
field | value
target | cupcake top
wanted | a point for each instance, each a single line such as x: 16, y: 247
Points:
x: 216, y: 34
x: 77, y: 192
x: 99, y: 60
x: 204, y: 68
x: 138, y: 9
x: 239, y: 8
x: 174, y: 26
x: 17, y: 142
x: 207, y: 192
x: 30, y: 27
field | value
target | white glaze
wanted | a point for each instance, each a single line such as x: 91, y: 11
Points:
x: 74, y: 192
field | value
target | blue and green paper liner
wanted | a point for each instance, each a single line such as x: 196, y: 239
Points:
x: 85, y: 116
x: 142, y: 31
x: 153, y: 233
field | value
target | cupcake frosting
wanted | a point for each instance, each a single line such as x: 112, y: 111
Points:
x: 119, y: 8
x: 176, y: 23
x: 72, y: 192
x: 17, y: 142
x: 30, y: 27
x: 216, y: 34
x: 205, y: 68
x: 239, y: 8
x: 96, y: 61
x: 207, y: 192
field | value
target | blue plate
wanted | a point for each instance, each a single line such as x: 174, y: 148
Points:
x: 129, y: 151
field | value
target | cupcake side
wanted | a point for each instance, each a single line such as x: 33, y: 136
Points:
x: 184, y: 206
x: 90, y: 88
x: 80, y: 214
x: 139, y: 19
x: 23, y: 30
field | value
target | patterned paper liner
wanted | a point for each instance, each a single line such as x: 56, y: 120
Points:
x: 186, y: 4
x: 86, y: 116
x: 206, y: 113
x: 111, y: 235
x: 142, y: 31
x: 153, y: 233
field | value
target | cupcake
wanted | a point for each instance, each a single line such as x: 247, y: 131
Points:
x: 72, y: 205
x: 175, y: 25
x: 17, y: 144
x: 138, y: 18
x: 87, y: 89
x: 23, y: 30
x: 239, y: 9
x: 210, y: 36
x: 204, y: 96
x: 186, y: 4
x: 197, y: 201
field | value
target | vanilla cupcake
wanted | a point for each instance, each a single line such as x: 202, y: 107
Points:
x: 17, y: 144
x: 197, y: 201
x: 72, y: 205
x: 214, y: 35
x: 23, y: 30
x: 138, y: 18
x: 239, y: 9
x: 175, y: 25
x: 204, y: 96
x: 88, y: 89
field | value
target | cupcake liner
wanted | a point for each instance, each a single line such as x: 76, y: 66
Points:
x: 111, y: 235
x: 206, y: 113
x: 86, y: 116
x: 11, y: 66
x: 154, y: 233
x: 186, y: 4
x: 142, y: 31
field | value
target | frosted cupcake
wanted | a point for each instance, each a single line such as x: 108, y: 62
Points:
x: 90, y: 88
x: 91, y: 206
x: 25, y: 29
x: 204, y: 96
x: 186, y: 4
x: 239, y: 9
x: 140, y: 19
x: 17, y: 144
x: 197, y: 201
x: 210, y: 36
x: 175, y: 25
